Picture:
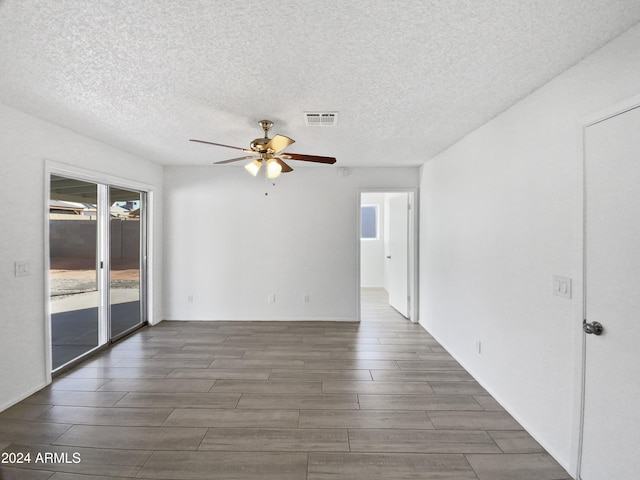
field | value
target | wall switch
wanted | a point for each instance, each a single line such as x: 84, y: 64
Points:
x: 479, y: 347
x: 562, y: 286
x: 22, y: 269
x: 306, y: 298
x: 272, y: 298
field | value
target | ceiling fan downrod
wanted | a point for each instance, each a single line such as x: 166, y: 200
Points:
x: 266, y: 126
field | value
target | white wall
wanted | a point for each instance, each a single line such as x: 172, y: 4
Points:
x: 372, y: 256
x: 26, y: 142
x: 230, y: 246
x: 501, y: 212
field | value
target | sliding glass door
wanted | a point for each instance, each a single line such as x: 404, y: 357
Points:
x: 97, y: 245
x: 73, y: 247
x: 126, y: 231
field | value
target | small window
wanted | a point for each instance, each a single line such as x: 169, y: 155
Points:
x: 369, y: 222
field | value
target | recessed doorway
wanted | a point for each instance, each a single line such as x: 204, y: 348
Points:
x: 387, y: 252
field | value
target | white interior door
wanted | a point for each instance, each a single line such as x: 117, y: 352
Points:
x: 397, y: 254
x: 611, y: 429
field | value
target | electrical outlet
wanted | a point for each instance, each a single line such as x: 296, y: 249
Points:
x: 479, y: 347
x: 190, y: 298
x: 272, y: 298
x: 306, y: 298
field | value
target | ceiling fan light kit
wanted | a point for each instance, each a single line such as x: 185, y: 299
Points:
x: 253, y: 167
x: 273, y: 168
x: 267, y: 150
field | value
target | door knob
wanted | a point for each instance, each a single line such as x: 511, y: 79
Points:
x: 388, y: 256
x: 594, y: 328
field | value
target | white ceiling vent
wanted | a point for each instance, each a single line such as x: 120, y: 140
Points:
x: 320, y: 119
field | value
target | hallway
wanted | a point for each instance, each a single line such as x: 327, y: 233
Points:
x: 272, y: 400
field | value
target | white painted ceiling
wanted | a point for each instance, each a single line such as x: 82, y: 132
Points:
x: 408, y: 78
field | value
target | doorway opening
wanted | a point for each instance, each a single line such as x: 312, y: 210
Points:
x: 387, y: 246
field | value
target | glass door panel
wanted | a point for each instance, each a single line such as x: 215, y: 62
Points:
x: 126, y: 238
x: 73, y: 240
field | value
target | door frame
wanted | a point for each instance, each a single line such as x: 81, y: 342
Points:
x: 586, y: 122
x: 412, y: 250
x: 103, y: 181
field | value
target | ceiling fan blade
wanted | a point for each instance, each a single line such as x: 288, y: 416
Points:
x: 279, y: 142
x: 309, y: 158
x: 285, y: 168
x: 221, y: 145
x: 235, y: 159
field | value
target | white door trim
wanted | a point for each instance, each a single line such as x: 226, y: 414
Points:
x: 412, y: 250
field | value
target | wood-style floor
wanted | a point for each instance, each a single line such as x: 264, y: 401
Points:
x: 378, y: 400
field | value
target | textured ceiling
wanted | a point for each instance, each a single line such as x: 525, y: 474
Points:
x: 408, y: 78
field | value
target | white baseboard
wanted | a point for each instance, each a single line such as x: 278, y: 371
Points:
x: 504, y: 405
x: 21, y: 397
x: 292, y: 319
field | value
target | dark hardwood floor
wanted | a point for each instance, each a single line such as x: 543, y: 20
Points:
x: 378, y: 400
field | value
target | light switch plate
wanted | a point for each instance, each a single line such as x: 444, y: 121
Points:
x: 562, y: 286
x: 21, y: 269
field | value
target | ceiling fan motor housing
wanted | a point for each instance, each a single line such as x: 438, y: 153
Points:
x: 260, y: 144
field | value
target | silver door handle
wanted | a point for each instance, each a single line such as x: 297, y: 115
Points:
x: 388, y: 256
x: 593, y: 328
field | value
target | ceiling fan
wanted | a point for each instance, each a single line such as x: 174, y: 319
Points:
x: 267, y: 151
